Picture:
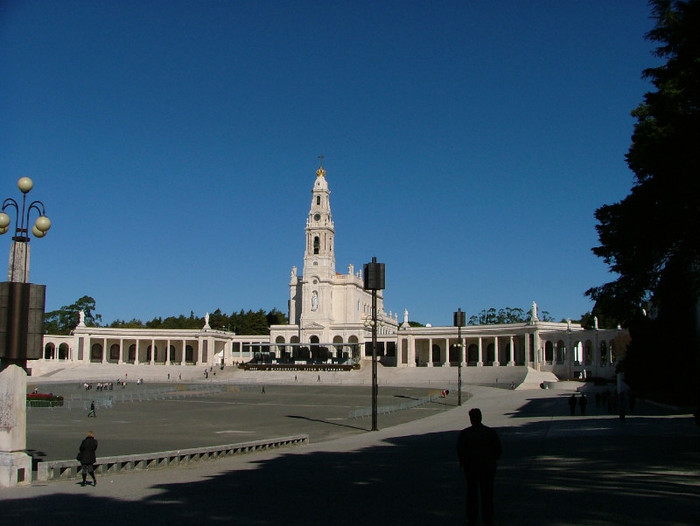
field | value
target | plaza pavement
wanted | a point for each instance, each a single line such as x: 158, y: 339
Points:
x: 556, y: 470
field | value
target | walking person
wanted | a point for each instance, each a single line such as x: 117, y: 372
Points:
x: 92, y: 412
x: 572, y: 404
x: 87, y: 458
x: 478, y: 450
x: 582, y: 402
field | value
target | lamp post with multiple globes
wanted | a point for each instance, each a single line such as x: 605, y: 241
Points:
x: 21, y: 334
x: 18, y: 269
x: 21, y: 302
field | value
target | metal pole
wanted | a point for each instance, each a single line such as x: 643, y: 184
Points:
x: 459, y: 367
x: 375, y: 387
x: 374, y: 281
x: 459, y: 320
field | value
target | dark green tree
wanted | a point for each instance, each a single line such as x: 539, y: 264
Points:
x: 492, y: 316
x: 275, y: 317
x: 651, y: 239
x: 65, y: 319
x: 132, y: 324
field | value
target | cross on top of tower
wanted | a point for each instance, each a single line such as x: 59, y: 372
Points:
x: 320, y: 172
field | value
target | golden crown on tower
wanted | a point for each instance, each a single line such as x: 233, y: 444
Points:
x: 320, y: 172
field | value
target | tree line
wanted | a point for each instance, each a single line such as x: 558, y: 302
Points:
x: 66, y: 318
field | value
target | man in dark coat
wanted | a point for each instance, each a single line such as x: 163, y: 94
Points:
x: 87, y: 458
x: 478, y: 450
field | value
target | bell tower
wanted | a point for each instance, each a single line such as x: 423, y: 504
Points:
x: 315, y: 303
x: 319, y: 255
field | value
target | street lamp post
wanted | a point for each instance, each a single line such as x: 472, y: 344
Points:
x: 21, y: 333
x: 21, y: 302
x: 374, y: 281
x: 459, y: 321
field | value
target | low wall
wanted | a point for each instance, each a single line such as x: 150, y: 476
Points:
x: 69, y: 469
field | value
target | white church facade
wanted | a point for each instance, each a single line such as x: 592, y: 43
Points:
x: 329, y: 314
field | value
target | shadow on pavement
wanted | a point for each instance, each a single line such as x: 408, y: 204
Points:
x: 322, y: 421
x: 543, y: 479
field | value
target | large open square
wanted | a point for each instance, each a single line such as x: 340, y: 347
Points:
x: 190, y: 418
x: 556, y: 469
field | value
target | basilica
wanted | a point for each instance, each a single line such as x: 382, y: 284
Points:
x: 330, y: 322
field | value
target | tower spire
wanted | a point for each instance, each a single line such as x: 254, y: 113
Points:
x: 320, y: 172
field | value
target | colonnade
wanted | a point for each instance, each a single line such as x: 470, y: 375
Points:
x: 567, y: 350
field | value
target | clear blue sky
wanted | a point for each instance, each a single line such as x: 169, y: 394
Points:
x: 174, y: 143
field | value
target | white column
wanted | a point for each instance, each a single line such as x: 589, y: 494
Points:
x: 480, y: 360
x: 495, y: 351
x: 104, y: 350
x: 411, y: 351
x: 121, y: 351
x: 511, y: 357
x: 446, y: 362
x: 527, y: 349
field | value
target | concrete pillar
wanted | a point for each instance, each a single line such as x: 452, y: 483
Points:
x: 15, y: 464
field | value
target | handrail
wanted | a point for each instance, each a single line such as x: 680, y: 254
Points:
x: 69, y: 469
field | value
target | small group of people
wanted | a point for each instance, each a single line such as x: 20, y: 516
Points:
x: 582, y: 402
x: 616, y: 403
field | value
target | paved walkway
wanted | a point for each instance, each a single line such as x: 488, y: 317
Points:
x: 556, y: 470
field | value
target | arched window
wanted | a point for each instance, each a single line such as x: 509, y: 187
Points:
x: 96, y: 353
x: 548, y: 352
x: 561, y: 351
x: 317, y: 244
x: 114, y: 353
x: 603, y: 353
x: 473, y: 353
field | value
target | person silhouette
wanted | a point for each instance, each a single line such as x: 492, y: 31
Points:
x: 582, y: 402
x: 478, y: 451
x: 87, y: 459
